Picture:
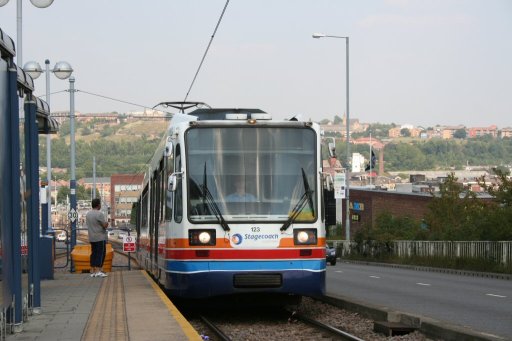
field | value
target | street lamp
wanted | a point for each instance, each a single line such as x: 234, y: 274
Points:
x: 347, y: 196
x: 72, y: 180
x: 61, y: 70
x: 19, y: 21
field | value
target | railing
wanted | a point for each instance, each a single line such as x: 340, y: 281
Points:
x: 499, y: 252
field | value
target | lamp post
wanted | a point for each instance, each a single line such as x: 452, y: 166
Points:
x: 19, y: 22
x: 72, y: 181
x: 19, y: 61
x: 347, y: 196
x: 61, y: 70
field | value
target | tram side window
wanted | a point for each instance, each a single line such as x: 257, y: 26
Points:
x: 161, y: 191
x: 178, y: 194
x: 156, y: 199
x: 144, y: 219
x: 168, y: 194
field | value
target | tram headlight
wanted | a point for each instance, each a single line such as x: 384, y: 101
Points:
x: 202, y: 237
x: 304, y: 237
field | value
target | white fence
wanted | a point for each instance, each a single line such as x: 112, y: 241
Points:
x: 497, y: 252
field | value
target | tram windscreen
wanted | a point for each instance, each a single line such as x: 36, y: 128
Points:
x: 250, y: 173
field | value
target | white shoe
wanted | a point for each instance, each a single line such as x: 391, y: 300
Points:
x: 101, y: 274
x: 94, y: 274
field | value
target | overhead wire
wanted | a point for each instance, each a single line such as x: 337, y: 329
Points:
x: 115, y: 99
x: 143, y: 171
x: 206, y: 51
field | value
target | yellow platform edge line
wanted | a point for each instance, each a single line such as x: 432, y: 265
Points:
x: 187, y: 328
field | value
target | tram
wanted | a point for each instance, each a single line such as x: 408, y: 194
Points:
x: 232, y: 203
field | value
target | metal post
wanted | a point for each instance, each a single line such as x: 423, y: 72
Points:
x: 93, y: 177
x: 32, y: 181
x: 47, y: 225
x: 72, y: 181
x: 347, y: 221
x: 11, y: 210
x: 347, y: 173
x: 371, y: 159
x: 19, y: 28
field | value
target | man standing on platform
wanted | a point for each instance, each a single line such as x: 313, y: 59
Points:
x: 97, y: 227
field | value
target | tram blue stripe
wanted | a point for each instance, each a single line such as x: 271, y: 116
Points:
x: 198, y: 266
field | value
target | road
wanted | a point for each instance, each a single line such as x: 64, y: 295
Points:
x: 481, y: 304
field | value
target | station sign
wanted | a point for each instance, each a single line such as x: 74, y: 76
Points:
x: 129, y: 243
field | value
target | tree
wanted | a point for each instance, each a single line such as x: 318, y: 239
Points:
x: 64, y: 129
x: 63, y: 194
x: 337, y: 119
x: 497, y: 224
x: 460, y: 133
x: 502, y: 192
x: 133, y: 215
x: 82, y: 193
x: 405, y: 132
x: 454, y: 214
x: 86, y: 131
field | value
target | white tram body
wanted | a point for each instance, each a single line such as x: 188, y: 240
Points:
x: 232, y: 203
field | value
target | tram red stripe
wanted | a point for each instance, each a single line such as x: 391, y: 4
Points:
x: 245, y: 254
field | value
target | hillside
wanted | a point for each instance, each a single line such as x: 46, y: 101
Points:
x: 126, y: 146
x: 123, y: 147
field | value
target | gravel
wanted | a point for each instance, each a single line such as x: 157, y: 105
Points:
x: 257, y: 325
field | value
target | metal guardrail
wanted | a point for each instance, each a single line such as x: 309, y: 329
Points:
x: 68, y: 250
x: 499, y: 252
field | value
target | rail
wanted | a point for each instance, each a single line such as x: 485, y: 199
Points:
x: 499, y: 252
x: 57, y: 245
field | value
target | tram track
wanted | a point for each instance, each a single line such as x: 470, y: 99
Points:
x: 310, y: 320
x: 342, y: 334
x: 214, y: 328
x: 221, y: 329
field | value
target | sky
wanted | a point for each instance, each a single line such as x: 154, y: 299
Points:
x: 420, y: 62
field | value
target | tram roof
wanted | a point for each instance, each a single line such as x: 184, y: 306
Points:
x: 229, y: 114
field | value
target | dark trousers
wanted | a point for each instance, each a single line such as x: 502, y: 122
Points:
x: 98, y: 252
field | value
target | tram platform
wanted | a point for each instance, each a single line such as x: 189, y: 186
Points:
x: 126, y: 305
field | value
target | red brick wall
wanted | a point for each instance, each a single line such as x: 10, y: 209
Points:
x: 376, y: 202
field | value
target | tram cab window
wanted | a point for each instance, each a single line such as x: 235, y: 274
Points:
x: 274, y: 172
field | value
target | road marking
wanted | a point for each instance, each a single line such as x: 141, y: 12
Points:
x: 374, y: 276
x: 339, y: 271
x: 493, y: 295
x: 424, y: 284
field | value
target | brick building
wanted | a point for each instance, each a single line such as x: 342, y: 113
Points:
x: 367, y: 205
x: 125, y: 190
x: 447, y: 132
x: 506, y: 132
x: 102, y: 187
x: 481, y: 131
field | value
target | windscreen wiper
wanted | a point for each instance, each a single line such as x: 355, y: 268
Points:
x: 306, y: 197
x: 210, y: 201
x: 309, y: 192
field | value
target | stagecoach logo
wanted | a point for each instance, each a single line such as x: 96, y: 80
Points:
x: 237, y: 239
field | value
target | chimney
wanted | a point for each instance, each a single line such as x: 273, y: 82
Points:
x: 381, y: 161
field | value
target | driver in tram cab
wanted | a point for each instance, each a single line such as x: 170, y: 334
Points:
x: 240, y: 195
